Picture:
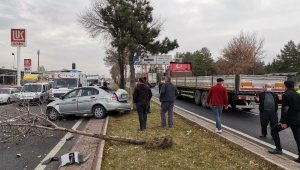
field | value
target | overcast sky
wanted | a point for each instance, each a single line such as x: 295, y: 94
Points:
x: 52, y: 28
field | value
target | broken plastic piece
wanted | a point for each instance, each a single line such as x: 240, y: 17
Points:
x: 73, y: 157
x: 69, y: 138
x: 18, y: 155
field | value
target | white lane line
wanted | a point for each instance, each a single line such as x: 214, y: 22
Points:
x: 58, y: 146
x: 238, y: 132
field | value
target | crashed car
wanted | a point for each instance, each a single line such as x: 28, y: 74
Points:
x: 7, y: 95
x: 88, y: 100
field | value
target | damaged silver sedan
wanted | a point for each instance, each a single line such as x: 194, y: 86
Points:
x: 88, y: 100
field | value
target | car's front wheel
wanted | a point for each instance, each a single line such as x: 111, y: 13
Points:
x: 52, y: 114
x: 8, y: 101
x: 99, y: 112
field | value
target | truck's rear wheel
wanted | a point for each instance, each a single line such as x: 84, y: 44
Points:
x: 198, y: 97
x: 203, y: 99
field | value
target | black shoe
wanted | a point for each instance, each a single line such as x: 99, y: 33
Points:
x: 297, y: 160
x: 262, y: 136
x: 275, y: 151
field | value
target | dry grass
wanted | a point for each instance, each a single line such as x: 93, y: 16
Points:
x: 193, y: 147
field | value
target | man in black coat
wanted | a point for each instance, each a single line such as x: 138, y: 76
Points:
x: 141, y: 97
x: 268, y: 106
x: 290, y: 117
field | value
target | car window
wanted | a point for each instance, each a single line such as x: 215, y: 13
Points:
x: 72, y: 94
x: 89, y: 92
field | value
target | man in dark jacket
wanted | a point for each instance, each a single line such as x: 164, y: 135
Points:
x: 217, y: 98
x: 141, y: 97
x: 290, y: 117
x: 146, y: 82
x: 268, y: 106
x: 167, y: 97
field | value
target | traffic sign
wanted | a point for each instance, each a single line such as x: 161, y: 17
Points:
x: 18, y: 37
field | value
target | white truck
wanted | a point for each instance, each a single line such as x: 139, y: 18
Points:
x: 93, y: 80
x: 65, y: 81
x: 241, y: 89
x: 152, y: 78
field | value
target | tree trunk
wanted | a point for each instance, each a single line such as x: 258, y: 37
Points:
x: 132, y: 72
x: 121, y: 66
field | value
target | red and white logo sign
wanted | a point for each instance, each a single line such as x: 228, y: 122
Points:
x: 18, y: 37
x: 27, y: 65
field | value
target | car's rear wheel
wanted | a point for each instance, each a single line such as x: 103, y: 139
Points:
x: 52, y: 114
x: 99, y: 112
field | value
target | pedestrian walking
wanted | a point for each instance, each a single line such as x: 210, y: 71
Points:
x: 268, y: 106
x: 167, y: 97
x: 298, y: 91
x: 217, y: 99
x: 150, y: 86
x: 141, y: 98
x: 290, y: 117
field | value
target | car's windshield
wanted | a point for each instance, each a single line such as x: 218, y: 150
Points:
x: 32, y: 88
x: 4, y: 91
x: 65, y: 82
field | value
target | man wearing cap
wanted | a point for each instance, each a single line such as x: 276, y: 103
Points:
x: 217, y: 98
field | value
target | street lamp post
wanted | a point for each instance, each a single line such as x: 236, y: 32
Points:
x: 14, y: 60
x: 38, y: 53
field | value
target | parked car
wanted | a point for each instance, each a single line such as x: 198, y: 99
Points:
x: 7, y: 95
x: 34, y: 92
x: 91, y: 100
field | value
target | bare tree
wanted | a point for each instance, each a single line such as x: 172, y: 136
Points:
x: 242, y: 55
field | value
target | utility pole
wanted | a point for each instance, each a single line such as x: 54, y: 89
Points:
x: 38, y: 53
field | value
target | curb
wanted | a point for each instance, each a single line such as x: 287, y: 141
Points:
x: 100, y: 148
x: 279, y: 160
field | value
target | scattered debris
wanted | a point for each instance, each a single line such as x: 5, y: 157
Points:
x: 39, y: 156
x: 73, y: 157
x: 188, y: 132
x: 46, y: 162
x: 70, y: 138
x: 19, y: 155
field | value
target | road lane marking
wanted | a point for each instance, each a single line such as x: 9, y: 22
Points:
x: 237, y: 132
x: 58, y: 146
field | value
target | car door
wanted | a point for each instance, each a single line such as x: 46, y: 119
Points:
x: 87, y: 99
x: 13, y: 97
x: 69, y: 102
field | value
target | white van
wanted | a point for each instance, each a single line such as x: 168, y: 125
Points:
x: 34, y: 92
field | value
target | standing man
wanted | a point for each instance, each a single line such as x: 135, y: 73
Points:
x: 141, y: 97
x: 217, y: 98
x: 268, y: 106
x: 146, y: 82
x: 298, y: 91
x: 290, y: 117
x: 167, y: 97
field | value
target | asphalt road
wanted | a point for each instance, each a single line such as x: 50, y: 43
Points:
x: 33, y: 148
x: 246, y: 122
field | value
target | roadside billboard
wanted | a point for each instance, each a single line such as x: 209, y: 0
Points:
x: 27, y: 65
x: 18, y: 37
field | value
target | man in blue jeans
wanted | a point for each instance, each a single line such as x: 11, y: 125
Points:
x: 167, y: 97
x: 217, y: 98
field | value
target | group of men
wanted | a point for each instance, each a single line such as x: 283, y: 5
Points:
x: 268, y: 107
x: 141, y: 98
x: 290, y: 114
x: 217, y: 99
